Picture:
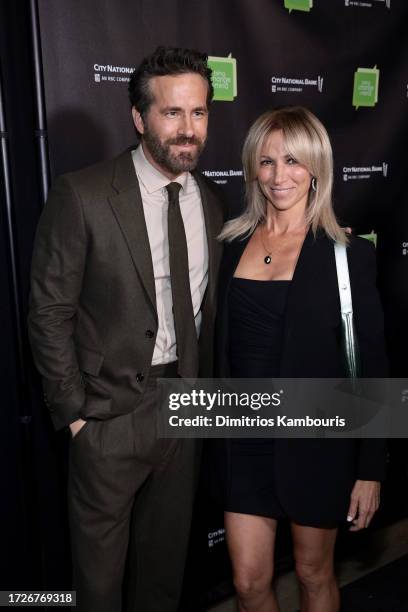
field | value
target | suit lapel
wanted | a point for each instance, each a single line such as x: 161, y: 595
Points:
x: 213, y: 219
x: 127, y: 206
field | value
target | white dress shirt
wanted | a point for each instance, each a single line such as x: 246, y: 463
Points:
x: 155, y: 204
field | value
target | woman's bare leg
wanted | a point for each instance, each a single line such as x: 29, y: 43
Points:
x: 251, y: 544
x: 314, y: 551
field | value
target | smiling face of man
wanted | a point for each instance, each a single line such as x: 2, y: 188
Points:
x: 284, y: 182
x: 174, y: 129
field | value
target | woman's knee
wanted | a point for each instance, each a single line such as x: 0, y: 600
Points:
x: 314, y: 575
x: 252, y: 583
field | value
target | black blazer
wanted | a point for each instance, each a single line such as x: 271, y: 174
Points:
x: 314, y: 478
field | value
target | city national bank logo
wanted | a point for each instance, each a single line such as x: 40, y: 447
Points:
x: 368, y: 4
x: 365, y: 90
x: 352, y: 173
x: 216, y: 537
x: 299, y: 5
x: 222, y: 176
x: 112, y: 74
x: 224, y: 77
x: 287, y: 85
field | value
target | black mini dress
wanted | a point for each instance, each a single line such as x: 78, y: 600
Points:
x: 256, y: 316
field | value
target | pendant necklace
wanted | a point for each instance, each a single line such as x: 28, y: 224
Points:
x: 267, y: 258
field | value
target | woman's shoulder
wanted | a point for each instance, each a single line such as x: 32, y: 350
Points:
x: 360, y: 247
x: 237, y: 243
x: 362, y: 258
x: 356, y: 245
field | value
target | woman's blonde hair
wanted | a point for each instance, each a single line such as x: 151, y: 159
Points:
x: 307, y: 141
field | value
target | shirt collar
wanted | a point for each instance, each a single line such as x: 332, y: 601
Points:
x: 150, y: 177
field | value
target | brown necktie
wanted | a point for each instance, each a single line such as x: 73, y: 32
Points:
x: 186, y: 335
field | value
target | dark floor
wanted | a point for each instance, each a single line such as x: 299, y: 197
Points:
x: 385, y: 590
x: 372, y: 579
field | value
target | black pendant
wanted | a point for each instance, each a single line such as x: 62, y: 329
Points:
x: 267, y: 259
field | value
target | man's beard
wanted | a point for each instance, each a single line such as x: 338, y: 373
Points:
x: 175, y: 163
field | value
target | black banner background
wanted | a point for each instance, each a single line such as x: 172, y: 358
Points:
x: 89, y: 120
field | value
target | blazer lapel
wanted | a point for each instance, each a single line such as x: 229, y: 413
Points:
x: 306, y: 268
x: 232, y: 255
x: 127, y: 206
x: 237, y: 249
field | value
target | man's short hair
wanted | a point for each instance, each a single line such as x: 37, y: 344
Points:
x: 162, y: 62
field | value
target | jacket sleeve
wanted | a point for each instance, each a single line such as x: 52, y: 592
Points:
x: 56, y: 279
x: 369, y: 322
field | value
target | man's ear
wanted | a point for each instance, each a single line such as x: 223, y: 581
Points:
x: 137, y: 120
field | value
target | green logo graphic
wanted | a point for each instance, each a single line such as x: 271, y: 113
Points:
x: 372, y: 237
x: 224, y: 77
x: 298, y: 5
x: 365, y: 92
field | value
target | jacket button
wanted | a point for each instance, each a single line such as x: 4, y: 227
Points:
x: 149, y: 333
x: 139, y: 377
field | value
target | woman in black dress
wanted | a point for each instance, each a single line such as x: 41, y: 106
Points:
x: 279, y: 315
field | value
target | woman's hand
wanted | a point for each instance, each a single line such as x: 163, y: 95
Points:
x: 364, y: 502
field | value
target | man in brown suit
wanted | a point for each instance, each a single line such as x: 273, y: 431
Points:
x: 124, y: 267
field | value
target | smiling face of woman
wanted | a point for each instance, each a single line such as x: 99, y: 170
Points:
x: 284, y: 182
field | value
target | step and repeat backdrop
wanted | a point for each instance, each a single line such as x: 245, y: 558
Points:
x: 346, y: 60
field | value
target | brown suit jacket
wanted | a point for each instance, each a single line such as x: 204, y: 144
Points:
x: 93, y: 318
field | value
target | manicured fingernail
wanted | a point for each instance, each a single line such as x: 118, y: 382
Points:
x: 349, y: 518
